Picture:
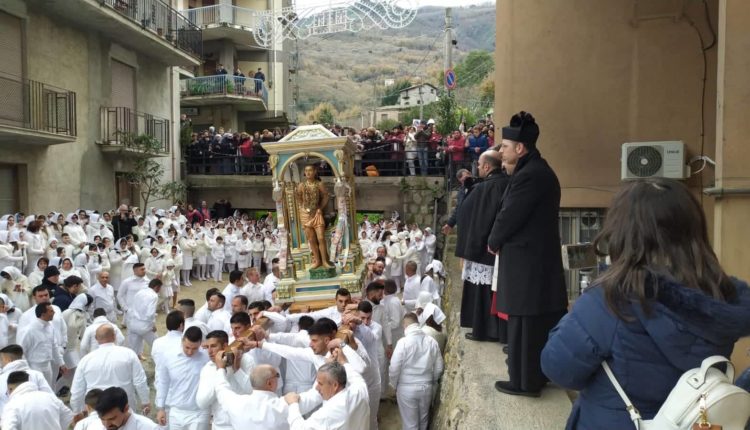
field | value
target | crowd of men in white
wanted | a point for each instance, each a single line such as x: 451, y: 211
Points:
x: 67, y: 286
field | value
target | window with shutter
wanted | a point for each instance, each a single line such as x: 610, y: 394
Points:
x: 11, y: 70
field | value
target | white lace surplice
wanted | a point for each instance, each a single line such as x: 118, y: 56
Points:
x: 477, y: 273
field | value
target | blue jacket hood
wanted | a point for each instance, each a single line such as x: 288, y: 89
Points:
x: 680, y: 315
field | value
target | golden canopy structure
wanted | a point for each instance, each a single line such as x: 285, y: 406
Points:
x: 334, y: 157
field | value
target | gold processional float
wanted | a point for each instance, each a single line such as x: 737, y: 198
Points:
x: 320, y: 251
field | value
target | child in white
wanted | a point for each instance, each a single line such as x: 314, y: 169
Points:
x: 218, y: 254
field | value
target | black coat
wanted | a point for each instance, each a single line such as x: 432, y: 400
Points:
x: 476, y: 216
x: 527, y: 234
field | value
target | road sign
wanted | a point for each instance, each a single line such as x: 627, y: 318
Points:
x: 450, y: 79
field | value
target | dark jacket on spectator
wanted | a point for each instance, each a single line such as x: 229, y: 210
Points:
x: 647, y: 354
x: 63, y: 298
x: 477, y: 142
x: 123, y: 227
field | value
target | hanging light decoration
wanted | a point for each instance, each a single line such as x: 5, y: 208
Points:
x: 336, y: 17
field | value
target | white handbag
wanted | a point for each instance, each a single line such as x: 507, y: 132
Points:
x: 703, y: 397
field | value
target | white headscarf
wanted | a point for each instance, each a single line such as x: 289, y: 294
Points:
x: 13, y: 271
x: 430, y: 310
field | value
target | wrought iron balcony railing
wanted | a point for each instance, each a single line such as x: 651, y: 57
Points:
x: 123, y: 127
x: 162, y: 19
x: 37, y: 106
x: 224, y: 85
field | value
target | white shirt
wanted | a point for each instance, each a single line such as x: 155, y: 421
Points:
x: 192, y: 322
x: 58, y: 325
x: 29, y: 408
x: 104, y: 297
x: 254, y: 292
x: 177, y: 378
x: 88, y: 340
x: 393, y: 312
x: 330, y: 312
x: 219, y: 320
x: 229, y: 292
x: 170, y: 342
x: 297, y: 372
x: 205, y: 396
x: 202, y: 314
x: 39, y: 344
x: 142, y: 315
x: 412, y: 287
x: 348, y: 409
x: 416, y: 359
x: 128, y: 289
x: 35, y: 377
x: 110, y: 366
x: 134, y: 422
x: 91, y: 422
x: 269, y: 411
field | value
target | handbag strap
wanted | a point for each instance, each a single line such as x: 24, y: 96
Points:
x: 635, y: 416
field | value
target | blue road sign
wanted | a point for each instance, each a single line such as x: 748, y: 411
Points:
x: 450, y: 79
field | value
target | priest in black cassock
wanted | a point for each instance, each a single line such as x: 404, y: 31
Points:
x: 475, y: 219
x: 531, y: 283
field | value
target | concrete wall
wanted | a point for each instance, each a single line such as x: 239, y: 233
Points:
x: 77, y: 174
x: 594, y: 80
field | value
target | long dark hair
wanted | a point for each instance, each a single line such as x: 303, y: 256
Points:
x: 655, y: 230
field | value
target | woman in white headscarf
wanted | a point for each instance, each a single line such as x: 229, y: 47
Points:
x: 52, y: 245
x: 16, y: 286
x: 244, y: 248
x: 271, y: 250
x: 176, y: 256
x: 76, y: 319
x: 67, y: 269
x: 36, y: 245
x: 117, y: 257
x: 154, y: 264
x: 9, y: 256
x: 18, y: 242
x: 80, y: 263
x: 36, y: 277
x: 75, y: 231
x: 188, y: 246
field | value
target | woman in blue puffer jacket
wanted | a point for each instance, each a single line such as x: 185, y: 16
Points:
x: 663, y: 306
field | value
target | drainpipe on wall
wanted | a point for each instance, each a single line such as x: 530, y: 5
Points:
x: 176, y: 136
x: 721, y: 191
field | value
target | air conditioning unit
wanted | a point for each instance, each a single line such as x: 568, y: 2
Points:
x: 653, y: 159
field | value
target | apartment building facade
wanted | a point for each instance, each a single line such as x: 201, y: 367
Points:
x: 77, y: 77
x: 237, y: 104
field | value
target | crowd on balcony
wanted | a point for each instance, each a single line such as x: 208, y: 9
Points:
x: 417, y: 149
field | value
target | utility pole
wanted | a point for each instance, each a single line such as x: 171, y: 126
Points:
x: 448, y: 57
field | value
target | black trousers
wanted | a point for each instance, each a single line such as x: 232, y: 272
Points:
x: 527, y: 336
x: 476, y: 307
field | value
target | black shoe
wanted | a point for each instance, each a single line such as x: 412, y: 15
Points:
x: 64, y: 391
x: 507, y: 388
x: 505, y: 349
x: 474, y: 338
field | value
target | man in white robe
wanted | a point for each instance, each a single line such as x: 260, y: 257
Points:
x: 42, y: 350
x: 104, y: 296
x: 29, y: 408
x: 107, y: 366
x: 142, y: 317
x: 11, y: 360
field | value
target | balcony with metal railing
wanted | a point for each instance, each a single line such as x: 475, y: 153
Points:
x: 125, y: 131
x: 226, y: 22
x: 246, y: 94
x: 36, y: 113
x: 151, y: 27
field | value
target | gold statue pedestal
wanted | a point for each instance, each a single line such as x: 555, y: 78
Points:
x: 292, y: 159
